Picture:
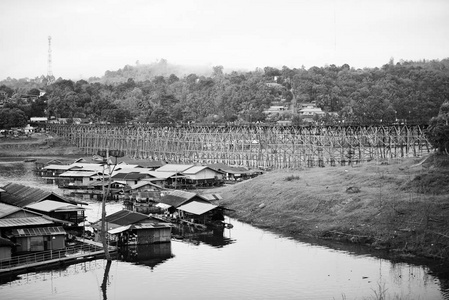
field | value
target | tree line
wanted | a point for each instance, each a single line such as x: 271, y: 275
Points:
x: 407, y: 91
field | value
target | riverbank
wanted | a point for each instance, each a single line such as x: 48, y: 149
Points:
x: 399, y: 205
x: 37, y: 144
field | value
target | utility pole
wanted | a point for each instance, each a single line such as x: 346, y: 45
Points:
x: 106, y: 154
x: 50, y: 77
x: 103, y: 210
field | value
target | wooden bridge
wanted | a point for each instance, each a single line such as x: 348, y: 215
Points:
x: 254, y: 146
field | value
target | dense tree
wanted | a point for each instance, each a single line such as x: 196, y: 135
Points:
x: 438, y: 131
x: 396, y: 92
x: 12, y: 117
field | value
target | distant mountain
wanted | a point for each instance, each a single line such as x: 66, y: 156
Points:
x: 142, y: 72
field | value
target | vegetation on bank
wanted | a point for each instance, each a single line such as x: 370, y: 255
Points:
x: 398, y: 205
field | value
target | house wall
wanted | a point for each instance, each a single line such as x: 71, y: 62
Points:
x: 23, y: 244
x: 153, y: 235
x: 5, y: 252
x: 40, y: 243
x: 55, y: 242
x: 30, y: 243
x: 131, y: 182
x: 205, y: 174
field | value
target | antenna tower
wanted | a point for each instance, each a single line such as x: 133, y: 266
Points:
x: 50, y: 76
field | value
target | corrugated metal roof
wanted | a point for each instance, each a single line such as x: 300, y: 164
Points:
x: 57, y: 167
x: 197, y: 208
x: 6, y: 209
x: 78, y: 174
x: 50, y: 205
x: 142, y: 184
x: 129, y: 176
x: 173, y: 168
x: 17, y: 222
x: 138, y: 226
x: 228, y: 169
x: 119, y: 229
x: 218, y: 166
x: 124, y: 217
x: 21, y: 195
x: 151, y: 225
x: 195, y: 169
x: 56, y: 230
x: 88, y: 167
x: 176, y: 198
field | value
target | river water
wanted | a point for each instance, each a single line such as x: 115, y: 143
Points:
x: 241, y: 263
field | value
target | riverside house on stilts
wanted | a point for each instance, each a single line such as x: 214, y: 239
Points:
x: 132, y: 228
x: 45, y: 203
x: 192, y: 209
x: 30, y: 231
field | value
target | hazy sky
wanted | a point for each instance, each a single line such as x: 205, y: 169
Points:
x: 90, y: 37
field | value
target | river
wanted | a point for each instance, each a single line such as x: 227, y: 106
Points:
x: 241, y: 263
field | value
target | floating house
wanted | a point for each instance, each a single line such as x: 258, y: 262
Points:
x: 59, y: 210
x: 201, y: 213
x: 21, y: 195
x: 191, y: 208
x: 232, y: 174
x: 203, y: 176
x: 31, y: 231
x: 130, y: 178
x: 143, y: 197
x: 173, y: 176
x: 132, y: 228
x: 44, y: 203
x: 78, y: 178
x: 51, y: 172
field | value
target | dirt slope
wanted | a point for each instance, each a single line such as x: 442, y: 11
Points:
x: 400, y: 205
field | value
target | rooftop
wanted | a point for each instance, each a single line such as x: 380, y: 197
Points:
x: 173, y: 168
x: 176, y: 198
x: 124, y: 217
x: 28, y: 221
x: 197, y: 208
x: 54, y: 206
x: 21, y: 195
x: 6, y: 209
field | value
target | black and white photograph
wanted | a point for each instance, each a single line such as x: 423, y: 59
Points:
x: 207, y: 149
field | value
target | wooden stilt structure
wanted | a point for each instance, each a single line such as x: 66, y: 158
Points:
x: 253, y: 146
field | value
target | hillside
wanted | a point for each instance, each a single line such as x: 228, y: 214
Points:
x: 399, y: 205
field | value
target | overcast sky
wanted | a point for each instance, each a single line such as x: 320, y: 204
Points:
x: 90, y: 37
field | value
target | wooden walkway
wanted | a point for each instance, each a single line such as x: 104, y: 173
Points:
x: 86, y: 250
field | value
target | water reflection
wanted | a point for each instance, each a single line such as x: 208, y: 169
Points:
x: 148, y: 255
x: 105, y: 282
x: 214, y: 237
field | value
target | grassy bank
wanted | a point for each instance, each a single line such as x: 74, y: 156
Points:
x: 399, y: 205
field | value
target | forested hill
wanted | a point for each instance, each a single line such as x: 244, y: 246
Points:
x: 412, y: 91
